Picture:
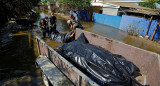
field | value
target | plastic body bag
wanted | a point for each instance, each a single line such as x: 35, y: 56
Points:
x: 105, y: 68
x: 62, y: 37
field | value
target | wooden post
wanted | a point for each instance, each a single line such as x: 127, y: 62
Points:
x: 155, y: 30
x: 148, y: 25
x: 48, y: 52
x: 79, y: 80
x: 39, y: 52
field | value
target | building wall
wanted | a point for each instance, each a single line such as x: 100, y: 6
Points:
x: 109, y: 20
x: 110, y: 11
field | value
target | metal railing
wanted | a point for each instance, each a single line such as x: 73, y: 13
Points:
x: 69, y: 70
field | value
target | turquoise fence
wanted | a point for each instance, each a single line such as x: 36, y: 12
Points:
x: 109, y: 20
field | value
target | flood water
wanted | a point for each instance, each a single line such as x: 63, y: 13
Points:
x: 17, y: 57
x: 18, y: 49
x: 122, y: 36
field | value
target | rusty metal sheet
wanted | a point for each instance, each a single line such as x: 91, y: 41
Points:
x: 65, y: 66
x: 148, y: 62
x: 96, y: 39
x: 153, y: 77
x: 141, y: 58
x: 70, y: 70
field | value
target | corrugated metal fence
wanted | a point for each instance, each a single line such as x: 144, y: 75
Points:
x: 141, y: 25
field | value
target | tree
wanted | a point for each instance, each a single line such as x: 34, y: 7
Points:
x: 77, y: 3
x: 150, y: 3
x: 10, y: 8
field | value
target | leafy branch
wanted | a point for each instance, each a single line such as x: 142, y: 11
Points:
x: 150, y: 3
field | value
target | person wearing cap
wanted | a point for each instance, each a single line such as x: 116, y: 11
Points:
x: 47, y: 26
x: 74, y: 16
x: 43, y: 26
x: 52, y: 22
x: 74, y: 22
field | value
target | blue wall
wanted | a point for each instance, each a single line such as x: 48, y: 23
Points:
x: 141, y: 25
x: 152, y: 28
x: 125, y: 22
x: 109, y: 20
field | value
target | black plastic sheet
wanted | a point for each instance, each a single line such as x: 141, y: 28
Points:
x: 62, y: 37
x: 107, y: 68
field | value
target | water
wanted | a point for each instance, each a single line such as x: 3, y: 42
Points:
x: 104, y: 30
x: 18, y: 49
x: 17, y: 62
x: 117, y: 34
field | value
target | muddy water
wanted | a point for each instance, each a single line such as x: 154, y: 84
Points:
x: 18, y: 51
x: 122, y: 36
x: 17, y: 57
x: 61, y: 27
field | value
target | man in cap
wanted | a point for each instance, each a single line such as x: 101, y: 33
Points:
x: 43, y: 26
x: 52, y: 22
x: 74, y: 23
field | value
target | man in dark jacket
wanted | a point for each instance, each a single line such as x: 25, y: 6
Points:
x: 43, y: 26
x: 47, y: 25
x: 52, y: 22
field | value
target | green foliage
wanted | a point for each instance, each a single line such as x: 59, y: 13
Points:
x: 44, y: 1
x: 77, y: 3
x: 157, y: 1
x: 11, y: 8
x: 150, y: 3
x: 17, y: 7
x: 133, y: 30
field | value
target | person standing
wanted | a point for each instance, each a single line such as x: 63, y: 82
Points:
x: 52, y: 22
x: 43, y: 27
x: 47, y: 25
x: 74, y: 21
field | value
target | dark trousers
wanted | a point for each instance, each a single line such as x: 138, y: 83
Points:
x: 44, y: 33
x: 48, y: 32
x: 53, y: 30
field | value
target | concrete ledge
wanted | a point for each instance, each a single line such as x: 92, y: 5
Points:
x: 52, y: 73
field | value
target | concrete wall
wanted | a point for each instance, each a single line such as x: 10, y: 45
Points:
x: 110, y: 11
x: 140, y: 24
x: 109, y: 20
